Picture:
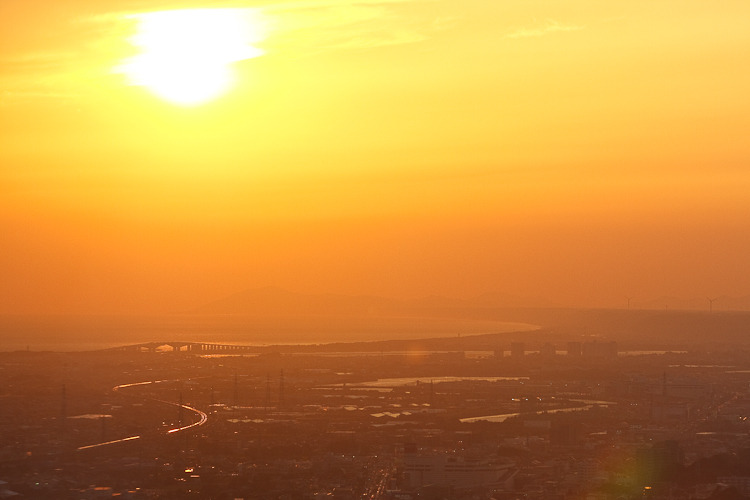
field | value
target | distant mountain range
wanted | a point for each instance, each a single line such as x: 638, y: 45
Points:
x: 271, y: 301
x: 347, y: 318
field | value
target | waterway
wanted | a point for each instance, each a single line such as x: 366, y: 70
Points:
x: 587, y: 405
x: 398, y: 382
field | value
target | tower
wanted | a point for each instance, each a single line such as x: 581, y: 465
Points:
x: 268, y: 391
x: 517, y: 349
x: 63, y: 407
x: 234, y: 392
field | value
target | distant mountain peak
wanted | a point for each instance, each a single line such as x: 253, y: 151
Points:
x: 272, y: 300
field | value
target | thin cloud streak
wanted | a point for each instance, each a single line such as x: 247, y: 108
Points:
x: 344, y: 25
x: 322, y: 24
x: 291, y: 28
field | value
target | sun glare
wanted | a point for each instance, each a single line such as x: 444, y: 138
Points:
x: 186, y: 56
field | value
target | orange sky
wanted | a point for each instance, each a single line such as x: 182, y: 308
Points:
x: 577, y: 151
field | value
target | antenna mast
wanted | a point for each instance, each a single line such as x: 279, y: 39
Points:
x: 711, y: 304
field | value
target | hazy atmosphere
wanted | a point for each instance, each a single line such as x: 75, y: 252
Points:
x: 573, y: 153
x: 375, y: 249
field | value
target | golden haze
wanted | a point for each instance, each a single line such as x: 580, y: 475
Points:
x: 579, y: 152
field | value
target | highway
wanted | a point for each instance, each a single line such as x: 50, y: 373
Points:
x: 202, y: 416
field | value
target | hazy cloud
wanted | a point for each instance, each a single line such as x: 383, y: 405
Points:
x: 322, y: 25
x: 336, y: 24
x: 88, y: 46
x: 76, y: 52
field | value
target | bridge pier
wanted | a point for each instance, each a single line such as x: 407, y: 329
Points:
x: 186, y: 347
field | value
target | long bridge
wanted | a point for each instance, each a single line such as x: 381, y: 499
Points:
x: 188, y: 347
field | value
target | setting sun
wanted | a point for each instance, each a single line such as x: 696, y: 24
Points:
x: 574, y: 153
x: 186, y: 55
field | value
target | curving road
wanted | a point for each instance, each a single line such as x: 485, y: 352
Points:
x: 202, y: 417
